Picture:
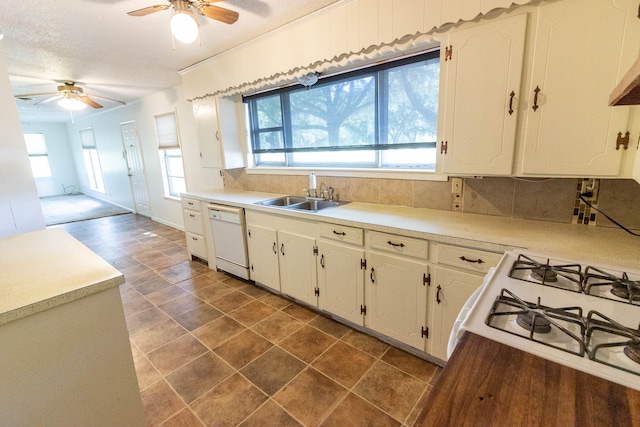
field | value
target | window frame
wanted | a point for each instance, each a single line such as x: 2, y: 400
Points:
x: 381, y: 124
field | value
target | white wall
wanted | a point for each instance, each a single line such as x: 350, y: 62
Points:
x: 19, y: 204
x: 106, y: 127
x: 61, y: 161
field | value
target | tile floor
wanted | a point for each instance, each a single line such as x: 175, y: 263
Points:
x: 210, y: 349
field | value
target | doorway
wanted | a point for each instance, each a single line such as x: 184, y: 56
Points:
x: 135, y: 166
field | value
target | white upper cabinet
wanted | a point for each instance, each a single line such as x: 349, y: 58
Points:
x: 581, y: 50
x: 481, y: 72
x: 218, y: 128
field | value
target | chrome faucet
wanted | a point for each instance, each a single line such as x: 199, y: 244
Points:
x: 312, y: 194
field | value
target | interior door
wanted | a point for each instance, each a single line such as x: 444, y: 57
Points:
x: 135, y: 165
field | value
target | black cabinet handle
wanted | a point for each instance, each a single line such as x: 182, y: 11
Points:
x: 373, y: 280
x: 473, y: 261
x: 511, y: 95
x: 282, y: 249
x: 439, y: 288
x: 275, y: 250
x: 535, y: 98
x: 339, y: 233
x: 400, y: 245
x: 322, y: 261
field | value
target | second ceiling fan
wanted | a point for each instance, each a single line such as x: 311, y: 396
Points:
x: 184, y: 25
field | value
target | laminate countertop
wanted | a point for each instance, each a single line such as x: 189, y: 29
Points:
x: 47, y: 268
x: 486, y: 383
x: 589, y: 244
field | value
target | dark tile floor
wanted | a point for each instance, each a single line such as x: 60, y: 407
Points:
x: 210, y: 349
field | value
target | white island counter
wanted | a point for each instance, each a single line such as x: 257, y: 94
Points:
x: 65, y: 356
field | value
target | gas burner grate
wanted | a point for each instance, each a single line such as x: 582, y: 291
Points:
x: 560, y: 328
x: 610, y: 343
x: 603, y: 284
x: 566, y: 276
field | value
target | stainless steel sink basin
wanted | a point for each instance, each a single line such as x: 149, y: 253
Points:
x: 314, y: 205
x: 282, y: 201
x: 299, y: 203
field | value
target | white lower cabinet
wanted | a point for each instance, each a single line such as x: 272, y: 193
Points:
x: 262, y: 244
x: 298, y: 266
x: 282, y: 254
x: 450, y: 289
x: 341, y: 280
x: 459, y: 273
x: 396, y: 290
x: 194, y: 229
x: 377, y: 280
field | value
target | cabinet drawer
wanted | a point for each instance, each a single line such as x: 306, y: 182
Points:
x: 342, y: 233
x: 196, y: 245
x: 193, y: 222
x: 399, y: 244
x: 191, y: 204
x: 469, y: 259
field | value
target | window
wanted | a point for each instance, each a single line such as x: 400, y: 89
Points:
x: 170, y: 154
x: 38, y: 157
x: 380, y: 117
x: 91, y: 160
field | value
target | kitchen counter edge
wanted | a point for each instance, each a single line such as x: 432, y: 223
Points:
x: 38, y: 277
x: 492, y: 233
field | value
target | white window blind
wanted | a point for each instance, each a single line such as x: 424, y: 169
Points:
x: 87, y: 138
x: 167, y: 131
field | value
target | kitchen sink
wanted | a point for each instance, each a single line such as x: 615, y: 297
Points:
x: 314, y: 205
x: 282, y: 201
x: 300, y: 203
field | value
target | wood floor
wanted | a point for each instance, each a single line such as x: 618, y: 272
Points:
x: 210, y: 349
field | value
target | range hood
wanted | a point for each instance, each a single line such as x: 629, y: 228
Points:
x: 627, y: 92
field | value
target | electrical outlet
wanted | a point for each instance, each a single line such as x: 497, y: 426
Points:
x: 456, y: 185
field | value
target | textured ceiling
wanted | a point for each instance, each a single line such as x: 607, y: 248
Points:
x: 111, y: 54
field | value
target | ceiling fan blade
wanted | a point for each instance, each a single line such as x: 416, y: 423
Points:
x: 90, y: 102
x: 31, y: 95
x: 148, y: 10
x: 48, y: 100
x: 108, y: 99
x: 218, y: 13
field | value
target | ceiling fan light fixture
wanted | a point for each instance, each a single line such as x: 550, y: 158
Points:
x: 72, y: 104
x: 184, y: 26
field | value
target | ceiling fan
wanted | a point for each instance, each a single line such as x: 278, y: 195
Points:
x: 69, y: 96
x: 183, y: 22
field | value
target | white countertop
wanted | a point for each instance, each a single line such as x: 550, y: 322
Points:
x: 47, y: 268
x: 597, y: 245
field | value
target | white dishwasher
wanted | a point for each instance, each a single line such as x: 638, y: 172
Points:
x: 229, y: 239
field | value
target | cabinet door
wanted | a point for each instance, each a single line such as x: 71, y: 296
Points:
x: 482, y: 90
x: 450, y: 289
x: 397, y: 298
x: 341, y: 280
x: 582, y: 49
x: 297, y: 266
x: 208, y: 133
x: 263, y: 256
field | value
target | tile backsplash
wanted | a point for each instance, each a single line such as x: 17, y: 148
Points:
x: 545, y: 199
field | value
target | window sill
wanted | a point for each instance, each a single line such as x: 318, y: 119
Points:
x: 172, y: 198
x: 408, y: 174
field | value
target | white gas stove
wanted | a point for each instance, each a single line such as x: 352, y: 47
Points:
x: 582, y: 316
